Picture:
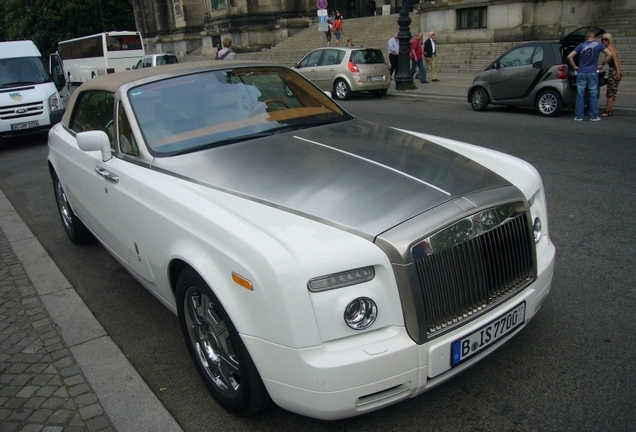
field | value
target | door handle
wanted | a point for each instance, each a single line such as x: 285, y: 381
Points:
x: 106, y: 174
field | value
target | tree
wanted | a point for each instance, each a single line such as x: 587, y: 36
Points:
x: 46, y: 22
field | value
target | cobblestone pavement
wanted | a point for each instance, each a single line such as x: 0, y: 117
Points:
x: 42, y: 388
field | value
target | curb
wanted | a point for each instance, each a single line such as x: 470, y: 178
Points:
x: 126, y: 398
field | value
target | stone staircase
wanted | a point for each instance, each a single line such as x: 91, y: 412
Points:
x: 621, y: 24
x: 458, y: 58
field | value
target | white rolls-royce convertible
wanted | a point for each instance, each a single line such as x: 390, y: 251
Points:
x: 325, y: 263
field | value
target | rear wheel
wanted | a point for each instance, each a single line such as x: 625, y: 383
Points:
x: 216, y: 348
x: 378, y: 93
x: 479, y: 99
x: 343, y: 92
x: 74, y: 227
x: 549, y: 103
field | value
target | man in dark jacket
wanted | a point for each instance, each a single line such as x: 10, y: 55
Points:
x: 430, y: 52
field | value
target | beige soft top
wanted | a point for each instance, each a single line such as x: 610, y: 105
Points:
x: 112, y: 82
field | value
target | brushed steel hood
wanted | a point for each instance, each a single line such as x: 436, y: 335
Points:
x: 360, y: 176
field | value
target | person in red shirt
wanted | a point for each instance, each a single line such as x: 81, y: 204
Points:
x: 337, y: 29
x: 417, y: 57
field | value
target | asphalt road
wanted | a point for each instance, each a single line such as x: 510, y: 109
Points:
x: 572, y: 368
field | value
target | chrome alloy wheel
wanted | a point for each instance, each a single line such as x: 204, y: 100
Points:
x: 548, y: 103
x: 63, y: 206
x: 342, y: 90
x: 211, y: 340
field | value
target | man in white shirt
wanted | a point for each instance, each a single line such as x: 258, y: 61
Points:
x: 430, y: 52
x: 226, y: 53
x: 394, y: 54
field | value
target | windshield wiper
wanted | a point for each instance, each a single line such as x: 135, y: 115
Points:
x: 20, y: 83
x: 220, y: 143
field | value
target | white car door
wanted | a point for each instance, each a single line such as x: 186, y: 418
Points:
x: 87, y: 179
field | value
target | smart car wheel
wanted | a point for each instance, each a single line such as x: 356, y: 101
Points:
x: 343, y: 91
x: 479, y: 99
x: 217, y: 349
x: 75, y: 229
x: 549, y: 103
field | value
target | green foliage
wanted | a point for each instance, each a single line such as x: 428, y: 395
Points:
x: 46, y: 22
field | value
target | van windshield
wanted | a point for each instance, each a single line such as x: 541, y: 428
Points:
x: 22, y: 71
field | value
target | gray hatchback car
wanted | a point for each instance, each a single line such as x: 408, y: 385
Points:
x: 344, y: 70
x: 533, y: 74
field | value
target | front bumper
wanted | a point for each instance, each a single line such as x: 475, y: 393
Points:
x: 351, y: 376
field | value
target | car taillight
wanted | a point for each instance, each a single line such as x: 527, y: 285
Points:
x: 353, y: 67
x: 562, y: 72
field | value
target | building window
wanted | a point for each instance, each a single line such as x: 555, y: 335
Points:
x: 218, y: 4
x: 472, y: 18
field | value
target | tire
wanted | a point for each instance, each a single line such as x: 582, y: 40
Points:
x: 479, y: 99
x: 549, y: 103
x: 216, y: 348
x: 74, y: 227
x: 378, y: 93
x: 342, y: 90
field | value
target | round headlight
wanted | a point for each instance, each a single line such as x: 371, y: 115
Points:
x: 537, y: 230
x: 361, y: 313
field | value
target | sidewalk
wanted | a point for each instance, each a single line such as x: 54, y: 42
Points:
x: 60, y: 371
x: 455, y: 87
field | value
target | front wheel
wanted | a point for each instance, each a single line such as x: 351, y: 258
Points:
x: 479, y: 99
x: 343, y: 92
x: 216, y: 348
x: 74, y: 227
x: 549, y: 103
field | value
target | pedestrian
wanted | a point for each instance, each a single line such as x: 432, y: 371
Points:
x: 394, y: 55
x: 349, y: 42
x: 372, y: 7
x: 417, y: 57
x: 587, y: 76
x: 430, y: 54
x: 226, y: 53
x: 615, y: 74
x: 328, y: 34
x: 337, y: 29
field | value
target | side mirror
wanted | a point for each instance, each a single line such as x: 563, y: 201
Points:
x: 296, y: 66
x: 95, y: 141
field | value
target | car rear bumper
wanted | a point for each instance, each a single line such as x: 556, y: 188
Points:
x: 360, y: 83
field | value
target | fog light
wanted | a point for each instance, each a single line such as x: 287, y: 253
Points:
x: 361, y: 313
x: 537, y: 230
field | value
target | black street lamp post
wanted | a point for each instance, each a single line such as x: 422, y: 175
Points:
x: 404, y: 79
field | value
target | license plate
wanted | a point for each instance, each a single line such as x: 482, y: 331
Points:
x: 25, y: 125
x: 473, y: 344
x: 375, y: 78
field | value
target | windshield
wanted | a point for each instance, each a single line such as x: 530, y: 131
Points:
x: 213, y: 108
x: 22, y: 71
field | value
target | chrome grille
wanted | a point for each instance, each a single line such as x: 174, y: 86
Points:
x: 20, y: 111
x: 478, y: 262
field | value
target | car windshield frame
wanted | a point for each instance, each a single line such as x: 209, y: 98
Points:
x: 205, y: 109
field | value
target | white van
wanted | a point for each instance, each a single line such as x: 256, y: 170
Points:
x: 30, y: 99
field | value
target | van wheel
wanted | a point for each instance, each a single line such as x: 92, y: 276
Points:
x: 479, y: 99
x: 549, y: 103
x: 216, y: 348
x: 343, y: 92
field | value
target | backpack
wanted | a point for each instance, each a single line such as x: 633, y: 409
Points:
x: 225, y: 54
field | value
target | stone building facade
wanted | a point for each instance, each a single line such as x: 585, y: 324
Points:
x: 460, y: 21
x: 185, y: 26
